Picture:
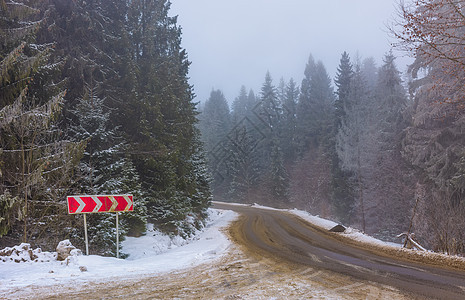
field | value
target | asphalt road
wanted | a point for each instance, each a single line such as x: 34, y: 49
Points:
x: 290, y: 240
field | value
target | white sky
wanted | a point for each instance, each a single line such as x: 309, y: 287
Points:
x: 233, y: 43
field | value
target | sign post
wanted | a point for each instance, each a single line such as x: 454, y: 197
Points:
x: 100, y: 203
x: 117, y: 236
x: 85, y: 235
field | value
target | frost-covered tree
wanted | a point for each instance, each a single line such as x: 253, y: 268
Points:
x: 354, y: 149
x: 128, y: 53
x: 277, y: 179
x: 434, y: 142
x: 368, y: 148
x: 342, y: 192
x: 215, y: 124
x: 314, y: 123
x: 215, y: 120
x: 239, y: 107
x: 105, y: 169
x: 163, y: 132
x: 342, y: 81
x: 315, y: 107
x: 269, y: 110
x: 370, y: 72
x: 390, y: 190
x: 289, y: 121
x: 35, y: 160
x: 243, y: 105
x: 243, y: 166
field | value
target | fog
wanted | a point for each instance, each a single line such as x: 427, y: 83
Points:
x: 234, y: 43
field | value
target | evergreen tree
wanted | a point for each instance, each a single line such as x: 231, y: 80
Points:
x: 268, y: 110
x: 128, y: 54
x: 342, y: 194
x: 16, y: 27
x: 391, y: 97
x: 370, y: 72
x: 391, y: 193
x: 314, y: 108
x: 243, y: 105
x: 105, y: 170
x: 165, y: 136
x: 35, y: 161
x: 289, y: 122
x: 352, y: 145
x: 277, y: 180
x: 267, y: 113
x: 342, y: 81
x: 243, y: 165
x: 215, y: 123
x: 240, y: 106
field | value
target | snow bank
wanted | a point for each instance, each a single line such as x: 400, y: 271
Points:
x: 151, y: 254
x: 315, y: 220
x: 390, y: 248
x: 350, y: 232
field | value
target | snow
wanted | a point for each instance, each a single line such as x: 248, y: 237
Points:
x: 315, y: 220
x: 350, y: 232
x: 151, y: 254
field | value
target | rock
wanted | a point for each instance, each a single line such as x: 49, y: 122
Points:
x: 76, y: 252
x: 338, y: 228
x: 83, y: 268
x: 64, y: 249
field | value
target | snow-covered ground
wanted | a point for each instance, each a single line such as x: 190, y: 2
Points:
x: 349, y: 232
x: 153, y: 253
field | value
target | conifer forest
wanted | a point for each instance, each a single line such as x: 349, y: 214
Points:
x: 95, y: 99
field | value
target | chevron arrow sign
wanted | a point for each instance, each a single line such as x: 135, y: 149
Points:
x: 100, y: 203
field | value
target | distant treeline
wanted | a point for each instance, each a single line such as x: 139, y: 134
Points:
x: 370, y: 151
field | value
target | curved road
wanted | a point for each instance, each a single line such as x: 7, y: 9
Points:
x: 289, y: 239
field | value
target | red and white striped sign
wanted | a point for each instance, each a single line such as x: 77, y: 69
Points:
x: 100, y: 203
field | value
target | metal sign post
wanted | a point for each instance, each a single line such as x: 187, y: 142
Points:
x: 100, y: 203
x: 85, y: 235
x: 117, y: 236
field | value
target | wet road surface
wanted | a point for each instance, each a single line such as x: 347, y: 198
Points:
x: 289, y: 239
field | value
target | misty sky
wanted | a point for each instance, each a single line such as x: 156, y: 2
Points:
x: 233, y: 43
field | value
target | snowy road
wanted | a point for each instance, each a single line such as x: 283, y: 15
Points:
x: 285, y: 238
x: 276, y: 255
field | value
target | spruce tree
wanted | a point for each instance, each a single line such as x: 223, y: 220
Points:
x: 267, y: 121
x: 164, y: 136
x: 216, y: 122
x: 31, y: 142
x: 240, y: 107
x: 243, y: 165
x: 315, y: 107
x: 342, y: 197
x: 355, y: 146
x: 343, y: 78
x: 289, y: 122
x: 106, y: 170
x: 277, y: 180
x: 394, y: 189
x: 128, y: 54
